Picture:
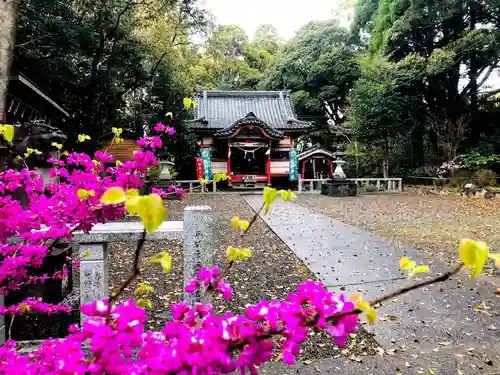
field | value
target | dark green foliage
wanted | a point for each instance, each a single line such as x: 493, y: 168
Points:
x: 87, y: 56
x: 485, y: 177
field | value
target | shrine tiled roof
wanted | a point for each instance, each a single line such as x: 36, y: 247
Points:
x: 221, y: 109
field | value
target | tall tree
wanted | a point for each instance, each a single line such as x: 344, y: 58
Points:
x: 319, y: 65
x: 454, y: 43
x: 96, y: 56
x: 8, y: 19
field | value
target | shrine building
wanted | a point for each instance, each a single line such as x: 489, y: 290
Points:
x: 250, y: 135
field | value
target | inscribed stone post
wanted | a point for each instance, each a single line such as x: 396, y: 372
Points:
x: 2, y: 324
x: 198, y: 244
x: 93, y: 273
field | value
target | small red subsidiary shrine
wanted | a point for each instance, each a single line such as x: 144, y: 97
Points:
x: 247, y: 134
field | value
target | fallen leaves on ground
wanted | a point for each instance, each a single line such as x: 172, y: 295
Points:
x: 434, y: 224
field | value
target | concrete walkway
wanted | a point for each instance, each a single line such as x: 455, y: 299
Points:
x: 436, y: 329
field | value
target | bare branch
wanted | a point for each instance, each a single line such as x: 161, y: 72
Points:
x: 135, y: 271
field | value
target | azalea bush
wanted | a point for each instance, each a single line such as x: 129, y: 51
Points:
x: 197, y: 340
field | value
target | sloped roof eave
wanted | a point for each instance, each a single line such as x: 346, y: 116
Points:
x: 221, y: 109
x: 249, y: 119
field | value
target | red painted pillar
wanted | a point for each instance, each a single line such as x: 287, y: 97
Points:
x: 303, y: 168
x: 229, y: 164
x: 269, y: 165
x: 331, y: 167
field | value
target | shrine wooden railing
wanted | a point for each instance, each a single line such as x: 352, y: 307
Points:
x: 391, y: 184
x: 194, y: 186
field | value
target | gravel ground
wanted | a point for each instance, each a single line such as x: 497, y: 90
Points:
x: 272, y: 272
x: 434, y: 224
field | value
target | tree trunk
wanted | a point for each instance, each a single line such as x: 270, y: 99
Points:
x: 357, y: 158
x: 8, y: 20
x: 473, y: 71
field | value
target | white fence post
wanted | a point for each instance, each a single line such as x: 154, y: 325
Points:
x: 300, y: 185
x: 198, y: 244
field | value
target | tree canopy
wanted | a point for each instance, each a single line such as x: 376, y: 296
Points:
x: 410, y: 81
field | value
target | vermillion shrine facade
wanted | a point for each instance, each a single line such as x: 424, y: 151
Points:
x: 250, y: 135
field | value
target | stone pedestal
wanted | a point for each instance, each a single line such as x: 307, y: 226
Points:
x: 339, y: 188
x: 2, y: 324
x: 198, y: 244
x: 93, y: 273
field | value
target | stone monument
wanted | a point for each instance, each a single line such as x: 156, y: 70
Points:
x: 339, y: 186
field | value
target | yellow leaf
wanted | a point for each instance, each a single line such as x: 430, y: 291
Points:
x: 170, y: 114
x: 83, y: 137
x: 163, y: 259
x: 270, y: 196
x: 7, y: 132
x: 235, y: 222
x: 144, y: 303
x: 356, y: 297
x: 473, y: 254
x: 287, y: 195
x: 188, y: 103
x: 371, y: 316
x: 431, y: 371
x: 82, y: 193
x: 231, y: 254
x: 25, y: 307
x: 131, y: 193
x: 363, y: 305
x: 113, y: 195
x: 234, y: 254
x: 404, y: 262
x: 152, y: 211
x: 65, y: 153
x: 496, y: 259
x: 419, y: 269
x: 284, y: 195
x: 220, y: 177
x: 56, y: 145
x: 116, y: 131
x: 144, y: 289
x: 244, y: 225
x: 118, y: 140
x: 467, y: 252
x: 481, y: 258
x: 132, y: 204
